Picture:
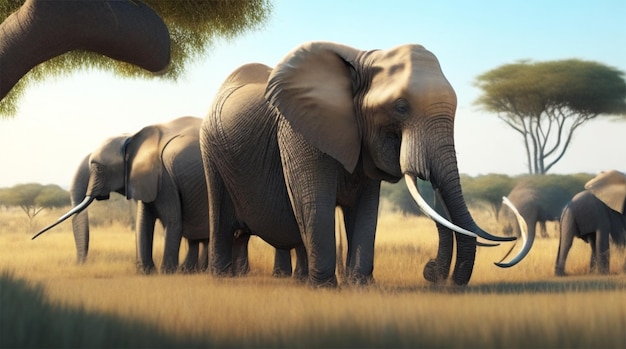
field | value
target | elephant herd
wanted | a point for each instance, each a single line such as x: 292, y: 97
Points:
x: 280, y: 149
x: 596, y: 215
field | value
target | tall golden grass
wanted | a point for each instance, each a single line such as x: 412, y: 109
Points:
x: 523, y: 306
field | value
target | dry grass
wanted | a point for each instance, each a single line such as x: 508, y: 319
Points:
x: 524, y: 306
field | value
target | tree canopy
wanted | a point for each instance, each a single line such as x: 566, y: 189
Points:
x: 547, y: 101
x: 194, y: 27
x: 32, y: 198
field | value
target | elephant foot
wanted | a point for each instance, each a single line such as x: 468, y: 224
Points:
x: 328, y: 283
x: 559, y: 272
x: 279, y: 273
x: 168, y: 270
x: 462, y: 273
x: 146, y: 270
x: 434, y: 272
x: 359, y: 280
x: 242, y: 270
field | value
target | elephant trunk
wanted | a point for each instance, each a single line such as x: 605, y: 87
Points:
x: 436, y: 161
x: 80, y: 221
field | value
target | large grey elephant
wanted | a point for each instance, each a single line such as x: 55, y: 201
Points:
x: 323, y: 129
x: 538, y: 199
x: 39, y: 30
x: 594, y: 215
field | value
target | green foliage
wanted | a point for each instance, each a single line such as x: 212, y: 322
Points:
x: 194, y: 27
x: 488, y: 189
x: 32, y: 198
x: 547, y: 101
x: 398, y: 195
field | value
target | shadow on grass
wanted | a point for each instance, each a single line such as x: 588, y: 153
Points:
x: 27, y: 320
x: 557, y: 285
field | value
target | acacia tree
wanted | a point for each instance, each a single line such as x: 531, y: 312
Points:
x: 546, y: 102
x: 193, y: 27
x: 32, y: 198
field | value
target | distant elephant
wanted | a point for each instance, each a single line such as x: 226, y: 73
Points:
x: 538, y: 199
x: 593, y: 215
x: 323, y: 129
x: 39, y: 30
x: 161, y: 167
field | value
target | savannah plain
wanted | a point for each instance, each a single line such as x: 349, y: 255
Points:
x: 47, y: 300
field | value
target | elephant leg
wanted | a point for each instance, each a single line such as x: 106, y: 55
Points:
x: 144, y: 238
x: 463, y: 269
x: 311, y: 179
x: 241, y: 264
x: 542, y: 228
x: 171, y: 249
x: 360, y: 223
x: 282, y: 263
x: 190, y: 264
x: 437, y: 270
x: 203, y: 256
x: 603, y: 251
x: 302, y: 266
x: 222, y: 221
x: 568, y: 229
x: 593, y: 261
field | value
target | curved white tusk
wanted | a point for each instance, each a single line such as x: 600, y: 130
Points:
x: 429, y: 211
x: 77, y: 209
x: 526, y: 244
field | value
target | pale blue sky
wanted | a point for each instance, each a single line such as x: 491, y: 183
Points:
x: 63, y: 119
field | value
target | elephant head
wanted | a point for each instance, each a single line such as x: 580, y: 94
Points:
x: 610, y: 188
x: 389, y: 113
x: 129, y: 31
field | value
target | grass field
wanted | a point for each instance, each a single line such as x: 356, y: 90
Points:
x: 47, y: 300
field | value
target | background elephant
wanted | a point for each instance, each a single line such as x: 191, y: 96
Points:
x: 161, y: 167
x: 128, y: 31
x: 538, y: 199
x: 323, y: 129
x: 593, y: 215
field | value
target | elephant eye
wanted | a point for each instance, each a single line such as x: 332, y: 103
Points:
x: 401, y: 108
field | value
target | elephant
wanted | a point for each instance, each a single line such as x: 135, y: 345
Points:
x: 593, y: 215
x: 39, y: 30
x: 161, y: 167
x: 321, y: 130
x: 538, y: 199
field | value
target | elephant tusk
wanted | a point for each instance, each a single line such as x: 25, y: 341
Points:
x: 429, y: 211
x: 83, y: 205
x: 526, y: 243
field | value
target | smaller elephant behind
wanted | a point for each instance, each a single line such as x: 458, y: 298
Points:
x: 594, y: 215
x: 538, y: 199
x: 161, y: 168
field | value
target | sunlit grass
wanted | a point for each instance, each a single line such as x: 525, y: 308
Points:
x: 523, y: 306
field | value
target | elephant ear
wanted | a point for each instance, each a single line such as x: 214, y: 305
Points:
x: 312, y: 88
x: 610, y: 188
x: 143, y: 164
